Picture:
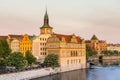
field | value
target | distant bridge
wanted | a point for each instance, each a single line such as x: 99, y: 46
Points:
x: 105, y: 60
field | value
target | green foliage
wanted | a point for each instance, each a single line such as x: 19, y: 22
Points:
x: 2, y: 62
x: 51, y: 60
x: 16, y: 60
x: 30, y: 58
x: 1, y: 49
x: 4, y: 49
x: 90, y: 52
x: 108, y: 52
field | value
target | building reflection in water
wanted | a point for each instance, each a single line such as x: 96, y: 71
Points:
x: 72, y: 75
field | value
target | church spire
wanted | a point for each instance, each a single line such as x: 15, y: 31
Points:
x: 46, y: 21
x: 94, y: 37
x: 46, y: 18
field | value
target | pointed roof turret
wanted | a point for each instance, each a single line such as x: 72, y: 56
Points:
x: 46, y: 21
x: 94, y: 37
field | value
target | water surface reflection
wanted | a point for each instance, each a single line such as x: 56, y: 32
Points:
x: 72, y: 75
x: 97, y: 73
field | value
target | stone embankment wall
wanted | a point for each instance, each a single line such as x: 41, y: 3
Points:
x: 111, y: 57
x: 26, y: 75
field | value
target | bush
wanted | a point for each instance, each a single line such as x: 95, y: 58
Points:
x: 16, y: 60
x: 51, y: 60
x: 30, y: 58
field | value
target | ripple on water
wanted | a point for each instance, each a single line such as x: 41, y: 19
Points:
x: 104, y: 73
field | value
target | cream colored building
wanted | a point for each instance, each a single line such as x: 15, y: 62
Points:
x: 39, y: 44
x: 71, y: 50
x: 11, y: 37
x: 15, y: 45
x: 113, y: 47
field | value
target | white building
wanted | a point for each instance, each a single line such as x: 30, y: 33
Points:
x: 113, y: 47
x: 15, y: 45
x: 39, y: 44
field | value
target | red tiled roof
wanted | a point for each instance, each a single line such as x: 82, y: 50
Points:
x: 3, y: 37
x: 16, y: 36
x: 68, y: 37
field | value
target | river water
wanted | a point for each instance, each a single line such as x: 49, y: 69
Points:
x: 96, y: 73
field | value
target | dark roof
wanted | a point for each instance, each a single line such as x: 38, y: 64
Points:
x: 87, y: 41
x: 3, y: 37
x: 46, y: 21
x: 94, y: 37
x: 102, y: 41
x: 19, y: 37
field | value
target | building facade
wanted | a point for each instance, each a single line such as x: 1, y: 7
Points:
x: 25, y: 44
x: 15, y: 45
x: 71, y: 50
x: 11, y: 37
x: 39, y: 44
x: 13, y: 41
x: 96, y: 44
x: 113, y: 47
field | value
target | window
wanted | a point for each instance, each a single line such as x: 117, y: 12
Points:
x: 41, y: 53
x: 41, y: 48
x: 79, y: 60
x: 67, y: 62
x: 71, y: 54
x: 71, y: 61
x: 45, y: 53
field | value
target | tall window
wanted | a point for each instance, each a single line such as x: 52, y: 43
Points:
x: 67, y: 62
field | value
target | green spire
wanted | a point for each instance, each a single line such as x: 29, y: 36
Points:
x: 46, y: 21
x: 94, y: 37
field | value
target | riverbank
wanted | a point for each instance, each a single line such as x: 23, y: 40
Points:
x: 97, y: 73
x: 26, y: 75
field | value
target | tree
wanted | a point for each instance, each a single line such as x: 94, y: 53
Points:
x: 51, y: 60
x: 4, y: 49
x: 90, y: 52
x: 16, y: 60
x: 30, y: 58
x: 109, y: 52
x: 1, y: 49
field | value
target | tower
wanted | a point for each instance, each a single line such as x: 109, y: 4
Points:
x: 39, y: 44
x: 46, y: 28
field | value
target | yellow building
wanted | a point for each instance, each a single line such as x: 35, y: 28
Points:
x: 25, y: 44
x: 71, y: 50
x: 96, y: 44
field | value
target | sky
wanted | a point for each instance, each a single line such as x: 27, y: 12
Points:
x: 81, y: 17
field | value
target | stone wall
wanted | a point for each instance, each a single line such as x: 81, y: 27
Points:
x: 26, y: 75
x: 111, y: 57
